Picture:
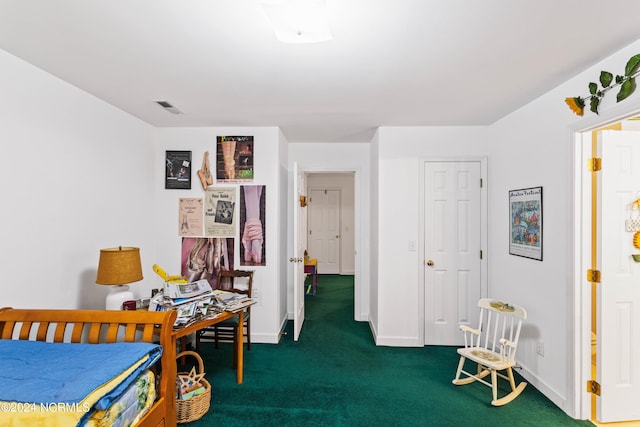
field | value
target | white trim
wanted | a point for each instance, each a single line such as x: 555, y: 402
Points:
x: 357, y: 233
x: 581, y: 290
x: 615, y: 114
x: 559, y: 400
x: 581, y: 322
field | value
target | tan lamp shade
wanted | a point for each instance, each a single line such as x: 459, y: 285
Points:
x: 118, y: 266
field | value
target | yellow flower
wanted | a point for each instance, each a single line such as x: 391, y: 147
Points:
x: 576, y: 104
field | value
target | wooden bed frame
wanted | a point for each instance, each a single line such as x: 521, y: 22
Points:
x: 102, y: 326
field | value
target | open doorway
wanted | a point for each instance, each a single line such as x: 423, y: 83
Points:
x: 331, y: 221
x: 346, y: 183
x: 605, y: 190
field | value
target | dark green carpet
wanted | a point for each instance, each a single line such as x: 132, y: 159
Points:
x: 336, y: 376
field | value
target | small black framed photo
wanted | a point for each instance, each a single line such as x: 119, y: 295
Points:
x: 525, y: 217
x: 178, y: 170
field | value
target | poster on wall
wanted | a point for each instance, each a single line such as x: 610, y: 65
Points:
x: 178, y: 170
x: 203, y: 258
x: 220, y: 212
x: 190, y: 217
x: 252, y: 224
x: 234, y: 158
x: 525, y: 216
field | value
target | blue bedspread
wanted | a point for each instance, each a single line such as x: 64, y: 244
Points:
x: 42, y: 372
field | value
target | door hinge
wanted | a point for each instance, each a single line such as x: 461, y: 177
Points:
x: 481, y: 254
x: 595, y: 164
x: 309, y: 232
x: 593, y: 276
x: 481, y: 183
x: 593, y: 387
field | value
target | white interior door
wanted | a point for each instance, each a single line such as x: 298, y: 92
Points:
x: 453, y: 223
x: 324, y: 229
x: 618, y: 295
x: 297, y: 259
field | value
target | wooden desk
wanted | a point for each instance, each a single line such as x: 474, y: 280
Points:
x: 197, y: 326
x: 311, y: 267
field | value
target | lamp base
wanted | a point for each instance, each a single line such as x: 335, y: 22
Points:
x: 118, y: 295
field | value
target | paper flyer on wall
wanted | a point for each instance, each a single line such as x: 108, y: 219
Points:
x: 190, y: 217
x: 220, y: 212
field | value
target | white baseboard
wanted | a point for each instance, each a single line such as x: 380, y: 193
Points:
x: 265, y: 338
x: 558, y: 399
x: 393, y: 341
x: 399, y: 341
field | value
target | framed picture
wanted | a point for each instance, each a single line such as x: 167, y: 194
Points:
x: 178, y: 170
x: 525, y: 217
x: 252, y: 224
x: 234, y: 158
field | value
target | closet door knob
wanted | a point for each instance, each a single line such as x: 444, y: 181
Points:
x: 430, y: 263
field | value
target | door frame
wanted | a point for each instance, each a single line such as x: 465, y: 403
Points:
x: 581, y: 233
x: 358, y: 291
x: 484, y: 221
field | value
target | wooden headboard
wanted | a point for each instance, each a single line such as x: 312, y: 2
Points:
x: 104, y: 326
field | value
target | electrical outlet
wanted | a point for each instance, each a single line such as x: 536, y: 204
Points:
x: 540, y: 348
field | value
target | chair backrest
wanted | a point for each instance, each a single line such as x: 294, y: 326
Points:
x: 499, y: 326
x: 238, y: 281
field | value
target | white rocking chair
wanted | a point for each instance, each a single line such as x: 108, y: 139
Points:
x: 493, y: 347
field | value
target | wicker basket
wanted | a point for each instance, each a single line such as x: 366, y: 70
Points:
x: 194, y: 408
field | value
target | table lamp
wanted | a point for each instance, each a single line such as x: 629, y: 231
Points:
x: 117, y: 267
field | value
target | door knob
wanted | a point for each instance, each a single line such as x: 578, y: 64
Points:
x: 430, y: 263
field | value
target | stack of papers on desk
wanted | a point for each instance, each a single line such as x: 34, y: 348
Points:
x: 190, y: 300
x: 198, y: 289
x: 231, y: 301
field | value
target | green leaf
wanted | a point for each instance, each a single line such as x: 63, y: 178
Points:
x: 605, y: 78
x: 595, y: 102
x: 626, y: 89
x: 619, y: 79
x: 632, y: 65
x: 593, y: 88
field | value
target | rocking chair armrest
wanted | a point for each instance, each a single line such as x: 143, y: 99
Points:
x: 465, y: 328
x: 506, y: 342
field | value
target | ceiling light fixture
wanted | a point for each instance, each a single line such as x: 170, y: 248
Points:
x: 298, y: 21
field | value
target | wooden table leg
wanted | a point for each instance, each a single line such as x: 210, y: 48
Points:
x: 315, y: 279
x: 240, y: 346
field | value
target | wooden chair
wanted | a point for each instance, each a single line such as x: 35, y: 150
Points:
x: 241, y: 282
x: 492, y: 346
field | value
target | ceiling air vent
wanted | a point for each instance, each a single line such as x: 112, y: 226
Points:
x: 167, y: 106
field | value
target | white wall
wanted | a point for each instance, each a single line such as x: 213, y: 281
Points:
x: 78, y: 177
x: 266, y: 314
x: 534, y: 147
x: 374, y: 233
x: 343, y: 157
x: 402, y: 151
x: 344, y: 183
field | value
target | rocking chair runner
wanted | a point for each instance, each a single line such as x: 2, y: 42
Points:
x: 493, y: 347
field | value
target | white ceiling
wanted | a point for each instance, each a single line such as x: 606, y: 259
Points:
x: 390, y: 63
